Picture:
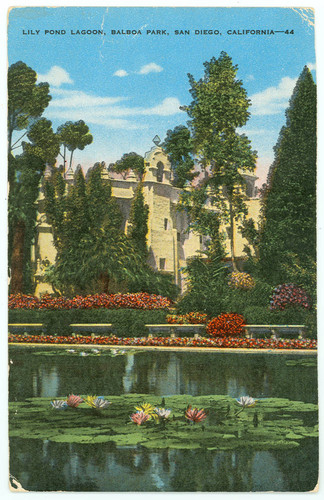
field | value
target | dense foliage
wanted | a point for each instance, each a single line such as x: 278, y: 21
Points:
x: 129, y: 161
x: 125, y: 322
x: 206, y: 283
x: 179, y: 148
x: 93, y: 251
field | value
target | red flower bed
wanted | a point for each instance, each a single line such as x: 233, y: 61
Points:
x: 226, y: 325
x: 114, y: 301
x: 239, y: 343
x: 190, y: 318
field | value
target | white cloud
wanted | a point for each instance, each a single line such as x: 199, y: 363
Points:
x: 311, y: 66
x: 79, y: 99
x: 169, y: 106
x: 150, y: 68
x: 55, y: 76
x: 121, y: 73
x: 273, y: 100
x: 107, y: 111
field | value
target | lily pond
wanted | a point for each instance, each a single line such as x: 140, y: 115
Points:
x: 203, y: 433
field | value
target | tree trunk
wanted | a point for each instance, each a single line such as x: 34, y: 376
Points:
x: 104, y: 282
x: 17, y: 258
x: 232, y: 236
x: 71, y: 157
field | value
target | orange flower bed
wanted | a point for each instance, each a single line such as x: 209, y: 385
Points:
x: 226, y: 325
x: 190, y: 318
x: 140, y: 300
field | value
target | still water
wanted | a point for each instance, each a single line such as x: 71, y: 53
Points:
x: 47, y: 466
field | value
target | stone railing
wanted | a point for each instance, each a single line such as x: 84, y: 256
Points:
x: 251, y: 331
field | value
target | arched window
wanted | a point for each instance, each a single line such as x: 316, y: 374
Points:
x: 159, y: 173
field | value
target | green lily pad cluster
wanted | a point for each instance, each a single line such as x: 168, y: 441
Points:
x: 272, y: 423
x: 302, y: 362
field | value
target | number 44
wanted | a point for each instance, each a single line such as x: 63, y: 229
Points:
x: 289, y: 32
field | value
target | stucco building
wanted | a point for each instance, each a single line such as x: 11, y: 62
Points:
x: 169, y: 241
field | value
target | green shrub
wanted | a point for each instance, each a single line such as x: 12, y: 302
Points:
x: 126, y: 322
x: 311, y: 324
x: 238, y: 300
x: 258, y: 315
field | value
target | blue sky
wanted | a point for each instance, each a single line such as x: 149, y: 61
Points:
x: 128, y: 88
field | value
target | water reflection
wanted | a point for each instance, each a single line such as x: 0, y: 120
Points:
x: 47, y: 466
x: 77, y: 467
x: 161, y: 373
x: 129, y: 378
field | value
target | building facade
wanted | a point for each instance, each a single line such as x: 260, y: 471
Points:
x: 169, y: 241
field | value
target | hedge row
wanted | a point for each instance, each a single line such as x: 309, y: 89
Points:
x: 126, y: 322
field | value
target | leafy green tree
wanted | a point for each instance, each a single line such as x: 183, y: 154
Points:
x: 21, y: 219
x: 73, y: 136
x: 25, y: 172
x: 26, y: 100
x: 220, y: 106
x: 289, y: 202
x: 138, y: 221
x: 178, y: 146
x: 127, y: 162
x: 26, y: 103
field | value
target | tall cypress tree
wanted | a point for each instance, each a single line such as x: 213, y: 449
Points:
x: 289, y: 203
x: 138, y: 218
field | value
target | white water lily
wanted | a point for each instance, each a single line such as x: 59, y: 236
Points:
x: 70, y: 350
x: 116, y: 352
x: 84, y: 353
x: 246, y: 401
x: 101, y: 404
x: 95, y: 351
x: 162, y: 412
x: 59, y: 404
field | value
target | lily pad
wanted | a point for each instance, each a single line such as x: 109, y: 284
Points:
x: 280, y: 423
x: 302, y: 362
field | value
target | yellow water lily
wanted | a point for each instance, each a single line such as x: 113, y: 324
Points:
x: 148, y: 409
x: 90, y: 400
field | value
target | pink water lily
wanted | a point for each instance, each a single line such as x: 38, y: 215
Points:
x: 74, y: 401
x: 195, y: 415
x: 140, y: 417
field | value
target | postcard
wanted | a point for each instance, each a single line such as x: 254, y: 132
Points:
x: 162, y: 249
